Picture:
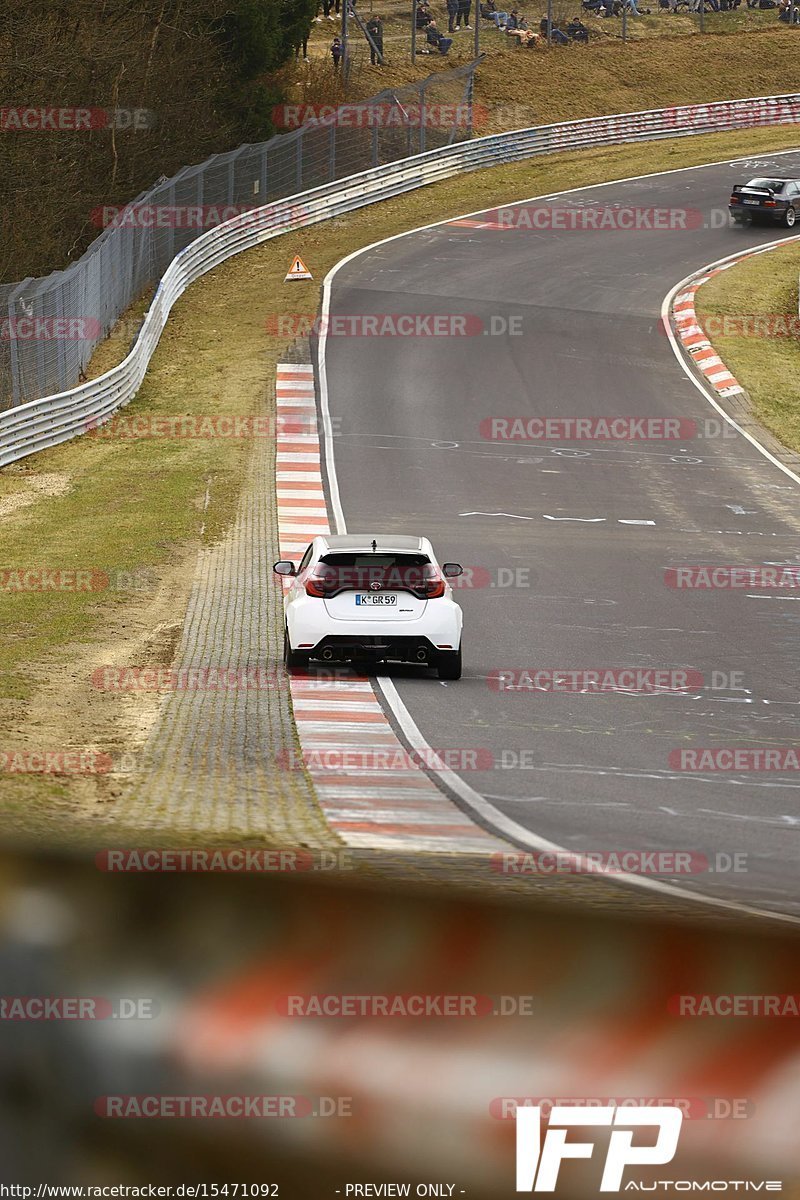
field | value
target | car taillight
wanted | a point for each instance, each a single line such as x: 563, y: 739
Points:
x: 430, y: 589
x: 432, y: 584
x: 318, y: 587
x: 769, y: 204
x: 734, y: 199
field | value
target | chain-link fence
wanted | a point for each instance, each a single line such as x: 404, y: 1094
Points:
x: 49, y: 327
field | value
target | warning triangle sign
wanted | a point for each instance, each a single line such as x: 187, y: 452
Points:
x: 298, y: 270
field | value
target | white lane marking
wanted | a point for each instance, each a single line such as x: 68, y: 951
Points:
x: 621, y: 522
x: 732, y: 816
x: 495, y: 819
x: 584, y: 520
x: 516, y: 516
x: 752, y: 596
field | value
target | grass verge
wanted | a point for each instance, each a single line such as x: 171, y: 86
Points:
x: 140, y: 509
x: 756, y: 301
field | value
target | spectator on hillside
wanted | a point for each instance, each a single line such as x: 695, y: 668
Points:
x: 462, y: 16
x: 577, y: 31
x: 337, y: 50
x: 492, y: 14
x: 557, y: 36
x: 375, y: 31
x: 452, y: 13
x: 526, y: 36
x: 437, y: 39
x: 424, y: 16
x: 512, y: 22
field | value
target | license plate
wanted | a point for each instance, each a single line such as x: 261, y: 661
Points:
x: 383, y: 598
x: 756, y: 202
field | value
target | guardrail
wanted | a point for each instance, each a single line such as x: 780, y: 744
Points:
x: 47, y: 422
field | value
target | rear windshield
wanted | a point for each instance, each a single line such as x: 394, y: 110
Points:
x: 360, y: 569
x: 772, y: 185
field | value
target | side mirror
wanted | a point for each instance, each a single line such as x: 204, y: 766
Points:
x: 452, y: 569
x: 284, y: 567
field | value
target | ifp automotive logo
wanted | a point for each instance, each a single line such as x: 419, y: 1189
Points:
x: 538, y: 1161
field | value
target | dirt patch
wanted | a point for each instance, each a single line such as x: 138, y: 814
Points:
x: 30, y: 488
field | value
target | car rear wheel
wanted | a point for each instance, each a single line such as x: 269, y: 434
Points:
x: 449, y: 664
x: 790, y: 217
x: 293, y: 660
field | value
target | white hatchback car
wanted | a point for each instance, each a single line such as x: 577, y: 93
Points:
x: 375, y: 598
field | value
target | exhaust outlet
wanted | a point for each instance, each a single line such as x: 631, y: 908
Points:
x: 327, y: 654
x: 422, y: 654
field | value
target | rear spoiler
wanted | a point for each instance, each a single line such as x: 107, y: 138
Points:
x: 743, y: 187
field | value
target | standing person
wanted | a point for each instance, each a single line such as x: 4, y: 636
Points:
x: 305, y: 49
x: 462, y: 17
x: 452, y: 13
x: 337, y: 50
x: 375, y: 31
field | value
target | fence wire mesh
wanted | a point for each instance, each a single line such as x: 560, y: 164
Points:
x: 49, y: 327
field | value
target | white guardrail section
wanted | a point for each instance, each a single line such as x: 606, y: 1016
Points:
x: 51, y: 420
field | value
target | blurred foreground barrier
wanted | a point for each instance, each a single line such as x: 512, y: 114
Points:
x: 54, y: 419
x: 332, y: 1031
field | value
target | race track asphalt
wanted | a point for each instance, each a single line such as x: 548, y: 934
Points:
x: 569, y: 585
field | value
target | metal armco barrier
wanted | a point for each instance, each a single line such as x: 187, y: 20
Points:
x: 54, y: 419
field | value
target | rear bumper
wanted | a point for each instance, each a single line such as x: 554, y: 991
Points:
x: 763, y: 214
x: 341, y: 648
x: 311, y: 629
x: 313, y: 632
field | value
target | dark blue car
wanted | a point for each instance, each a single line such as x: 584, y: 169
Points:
x: 776, y: 200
